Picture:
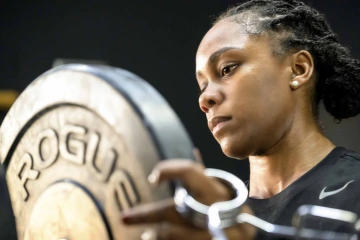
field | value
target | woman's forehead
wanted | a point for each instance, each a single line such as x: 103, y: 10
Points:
x: 225, y: 34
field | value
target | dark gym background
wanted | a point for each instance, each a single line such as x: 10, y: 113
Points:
x: 156, y: 40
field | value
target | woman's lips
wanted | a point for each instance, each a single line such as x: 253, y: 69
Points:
x: 217, y: 123
x: 219, y: 126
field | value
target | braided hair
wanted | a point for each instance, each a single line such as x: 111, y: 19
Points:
x: 298, y: 26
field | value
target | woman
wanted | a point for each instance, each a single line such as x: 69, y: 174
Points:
x: 263, y: 69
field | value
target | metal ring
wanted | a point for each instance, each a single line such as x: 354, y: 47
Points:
x: 226, y: 212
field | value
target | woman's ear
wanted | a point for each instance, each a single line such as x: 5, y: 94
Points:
x: 302, y: 68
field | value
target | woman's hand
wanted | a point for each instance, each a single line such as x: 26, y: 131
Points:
x: 169, y: 223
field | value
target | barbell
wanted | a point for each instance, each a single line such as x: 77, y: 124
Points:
x: 76, y: 148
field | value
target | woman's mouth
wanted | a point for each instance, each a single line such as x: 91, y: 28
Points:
x: 217, y: 123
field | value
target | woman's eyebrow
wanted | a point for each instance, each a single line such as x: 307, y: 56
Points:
x: 214, y: 57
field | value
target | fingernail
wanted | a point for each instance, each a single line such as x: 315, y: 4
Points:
x: 126, y: 219
x: 154, y: 178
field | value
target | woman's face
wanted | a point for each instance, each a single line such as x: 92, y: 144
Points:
x: 245, y: 90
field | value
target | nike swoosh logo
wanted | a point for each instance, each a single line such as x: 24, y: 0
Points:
x: 324, y: 194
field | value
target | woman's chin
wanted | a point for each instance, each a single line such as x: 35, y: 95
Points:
x: 234, y: 150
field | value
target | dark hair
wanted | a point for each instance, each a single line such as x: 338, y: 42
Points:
x: 301, y: 27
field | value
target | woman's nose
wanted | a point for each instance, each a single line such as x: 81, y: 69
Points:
x: 208, y: 99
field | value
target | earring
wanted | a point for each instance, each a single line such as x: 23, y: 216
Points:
x: 294, y: 84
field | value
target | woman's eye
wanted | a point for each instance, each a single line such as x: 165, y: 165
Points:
x: 227, y: 70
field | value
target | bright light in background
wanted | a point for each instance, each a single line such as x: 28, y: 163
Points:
x: 7, y: 98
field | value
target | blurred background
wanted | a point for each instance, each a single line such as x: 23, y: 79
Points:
x: 156, y: 40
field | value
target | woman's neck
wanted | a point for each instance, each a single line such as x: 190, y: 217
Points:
x: 295, y: 154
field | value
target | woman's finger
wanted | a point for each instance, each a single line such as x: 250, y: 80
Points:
x: 191, y: 174
x: 153, y: 213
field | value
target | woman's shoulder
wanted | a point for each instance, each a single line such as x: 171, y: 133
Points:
x: 344, y: 163
x: 351, y: 154
x: 344, y: 156
x: 341, y: 167
x: 349, y: 160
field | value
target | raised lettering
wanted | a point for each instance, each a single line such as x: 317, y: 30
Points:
x: 101, y: 166
x: 47, y: 150
x: 72, y: 145
x: 25, y: 172
x: 124, y: 190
